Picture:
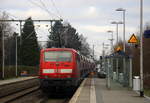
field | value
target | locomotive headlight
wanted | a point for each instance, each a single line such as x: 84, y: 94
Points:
x: 48, y: 70
x: 66, y: 71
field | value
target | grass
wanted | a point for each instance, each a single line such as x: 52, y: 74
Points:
x: 147, y: 92
x: 10, y: 71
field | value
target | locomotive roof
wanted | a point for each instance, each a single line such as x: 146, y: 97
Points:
x: 55, y: 49
x: 67, y: 49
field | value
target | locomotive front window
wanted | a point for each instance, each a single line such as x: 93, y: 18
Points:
x: 58, y: 56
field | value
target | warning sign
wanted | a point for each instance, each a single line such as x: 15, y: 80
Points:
x: 119, y: 48
x: 133, y: 39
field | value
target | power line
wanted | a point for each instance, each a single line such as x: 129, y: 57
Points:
x: 20, y: 21
x: 47, y: 8
x: 36, y: 4
x: 43, y: 7
x: 53, y: 3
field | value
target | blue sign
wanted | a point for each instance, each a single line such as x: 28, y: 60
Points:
x: 147, y: 33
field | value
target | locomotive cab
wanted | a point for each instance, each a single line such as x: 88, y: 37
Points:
x: 58, y: 68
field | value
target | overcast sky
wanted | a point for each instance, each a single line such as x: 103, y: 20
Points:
x: 90, y: 17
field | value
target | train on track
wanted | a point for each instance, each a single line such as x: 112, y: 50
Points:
x: 63, y: 67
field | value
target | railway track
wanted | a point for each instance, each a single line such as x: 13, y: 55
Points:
x: 28, y: 91
x: 22, y: 91
x: 17, y: 95
x: 16, y: 86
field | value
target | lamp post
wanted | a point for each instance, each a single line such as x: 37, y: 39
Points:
x: 106, y: 65
x: 111, y: 43
x: 16, y: 35
x: 3, y: 55
x: 111, y: 40
x: 117, y: 23
x: 124, y: 42
x: 141, y: 49
x: 111, y: 59
x: 104, y: 47
x: 123, y: 10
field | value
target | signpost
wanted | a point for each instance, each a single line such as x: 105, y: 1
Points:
x: 133, y: 39
x: 119, y: 48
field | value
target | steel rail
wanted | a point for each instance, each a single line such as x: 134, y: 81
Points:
x: 14, y: 96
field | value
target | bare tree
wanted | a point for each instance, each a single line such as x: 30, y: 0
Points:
x: 6, y: 31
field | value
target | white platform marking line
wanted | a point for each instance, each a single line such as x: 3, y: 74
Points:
x: 77, y: 93
x: 92, y: 92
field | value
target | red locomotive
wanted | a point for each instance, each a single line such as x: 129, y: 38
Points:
x: 63, y: 67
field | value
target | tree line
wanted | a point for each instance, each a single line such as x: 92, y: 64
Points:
x: 64, y: 35
x: 61, y: 36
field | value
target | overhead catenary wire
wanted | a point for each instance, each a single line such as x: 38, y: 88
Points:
x: 57, y: 10
x: 43, y: 7
x: 48, y: 9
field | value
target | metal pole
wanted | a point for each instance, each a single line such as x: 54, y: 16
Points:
x: 37, y: 20
x: 124, y: 48
x: 20, y: 32
x: 3, y: 56
x: 109, y: 31
x: 130, y: 79
x: 111, y: 67
x: 104, y: 60
x: 112, y: 41
x: 124, y: 43
x: 124, y: 70
x: 51, y: 26
x: 93, y: 52
x: 108, y: 72
x: 16, y: 58
x: 117, y: 32
x: 117, y: 71
x: 103, y: 50
x: 112, y: 45
x: 141, y: 49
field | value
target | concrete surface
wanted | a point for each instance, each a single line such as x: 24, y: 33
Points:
x: 94, y: 90
x: 13, y: 80
x: 117, y: 93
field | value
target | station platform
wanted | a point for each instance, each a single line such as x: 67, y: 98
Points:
x: 13, y: 80
x: 94, y: 90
